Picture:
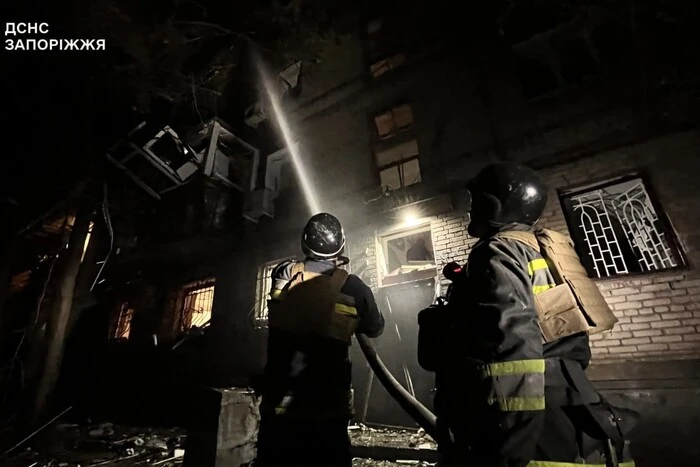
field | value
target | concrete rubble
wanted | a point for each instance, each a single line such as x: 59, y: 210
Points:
x: 72, y: 445
x: 92, y: 445
x: 363, y: 435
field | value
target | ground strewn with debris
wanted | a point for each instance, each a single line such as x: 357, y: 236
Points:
x: 362, y: 435
x: 70, y: 445
x: 106, y: 444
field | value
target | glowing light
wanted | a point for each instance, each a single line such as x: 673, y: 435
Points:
x: 410, y: 218
x: 300, y: 170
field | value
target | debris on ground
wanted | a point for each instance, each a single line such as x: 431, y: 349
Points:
x: 372, y: 463
x: 106, y: 444
x: 363, y: 435
x: 92, y: 445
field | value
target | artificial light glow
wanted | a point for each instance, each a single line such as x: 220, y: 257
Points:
x: 302, y: 175
x: 410, y: 218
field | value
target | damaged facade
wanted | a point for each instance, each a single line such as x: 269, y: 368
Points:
x: 388, y: 132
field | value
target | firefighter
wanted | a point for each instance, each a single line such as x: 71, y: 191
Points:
x: 314, y: 309
x: 510, y: 399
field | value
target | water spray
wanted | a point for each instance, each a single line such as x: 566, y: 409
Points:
x: 424, y: 417
x: 276, y: 107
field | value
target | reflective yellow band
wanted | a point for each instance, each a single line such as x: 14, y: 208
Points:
x: 515, y: 367
x: 345, y: 309
x: 571, y: 464
x: 275, y: 294
x: 537, y: 289
x: 518, y: 404
x: 536, y: 265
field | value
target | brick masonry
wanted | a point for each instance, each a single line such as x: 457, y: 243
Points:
x: 659, y: 314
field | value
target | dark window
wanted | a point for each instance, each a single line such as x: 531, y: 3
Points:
x: 397, y: 158
x: 383, y: 46
x: 618, y: 229
x: 390, y: 122
x: 399, y: 166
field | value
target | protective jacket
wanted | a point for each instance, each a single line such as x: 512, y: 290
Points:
x: 496, y: 377
x: 308, y: 372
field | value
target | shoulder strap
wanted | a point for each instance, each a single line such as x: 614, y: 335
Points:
x: 528, y: 238
x: 296, y: 274
x: 338, y: 279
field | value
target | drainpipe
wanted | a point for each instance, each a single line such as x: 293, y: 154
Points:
x: 420, y: 413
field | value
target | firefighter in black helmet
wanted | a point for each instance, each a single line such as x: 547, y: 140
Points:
x: 492, y: 382
x: 314, y: 309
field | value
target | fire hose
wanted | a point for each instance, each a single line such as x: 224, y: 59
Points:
x: 420, y: 413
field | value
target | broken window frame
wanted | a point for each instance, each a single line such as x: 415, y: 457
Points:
x: 292, y: 69
x: 382, y: 249
x: 659, y: 232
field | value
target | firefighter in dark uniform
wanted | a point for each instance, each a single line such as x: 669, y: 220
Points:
x: 314, y: 309
x: 507, y: 398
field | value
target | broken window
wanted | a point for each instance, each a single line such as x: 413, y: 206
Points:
x: 195, y: 304
x: 290, y: 78
x: 617, y: 229
x: 405, y: 256
x: 399, y: 165
x: 396, y: 119
x: 124, y: 317
x: 262, y: 291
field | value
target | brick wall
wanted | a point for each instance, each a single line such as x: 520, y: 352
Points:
x: 659, y: 313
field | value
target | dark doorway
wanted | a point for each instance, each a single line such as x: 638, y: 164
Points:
x: 400, y: 305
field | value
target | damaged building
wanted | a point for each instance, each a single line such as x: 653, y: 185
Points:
x: 387, y: 124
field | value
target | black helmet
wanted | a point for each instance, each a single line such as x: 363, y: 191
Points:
x: 323, y: 237
x: 505, y: 193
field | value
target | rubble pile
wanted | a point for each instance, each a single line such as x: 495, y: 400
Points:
x: 400, y: 463
x: 71, y: 445
x: 106, y: 444
x: 362, y: 435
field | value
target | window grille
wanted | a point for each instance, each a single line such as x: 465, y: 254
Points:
x: 262, y: 292
x: 196, y: 304
x: 618, y: 231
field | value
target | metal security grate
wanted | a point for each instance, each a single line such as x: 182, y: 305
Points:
x: 197, y: 304
x: 262, y: 292
x: 641, y: 225
x: 603, y: 245
x: 621, y: 230
x: 264, y: 286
